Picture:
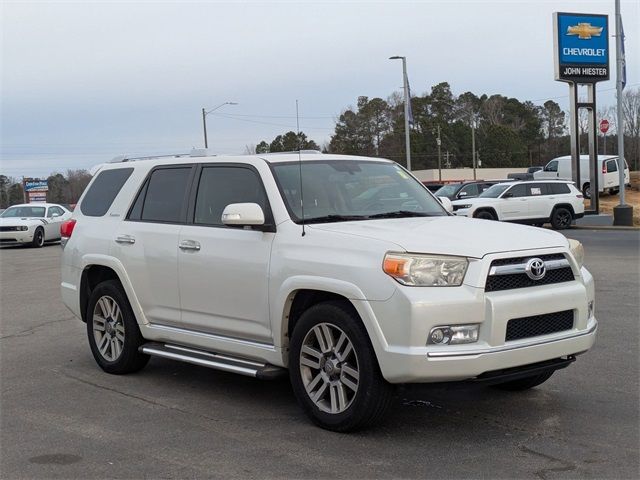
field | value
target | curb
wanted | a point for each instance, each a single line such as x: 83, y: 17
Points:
x: 605, y: 227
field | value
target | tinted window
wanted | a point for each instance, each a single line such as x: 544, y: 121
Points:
x: 222, y: 186
x: 165, y: 195
x: 612, y: 166
x: 56, y: 211
x: 518, y: 190
x: 103, y: 191
x: 537, y: 189
x: 470, y: 190
x: 13, y: 212
x: 551, y: 166
x: 558, y: 188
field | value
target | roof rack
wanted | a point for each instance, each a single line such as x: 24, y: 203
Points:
x: 196, y: 152
x: 293, y: 152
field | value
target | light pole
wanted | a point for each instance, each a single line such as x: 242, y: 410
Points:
x: 473, y: 145
x: 204, y: 119
x: 407, y: 140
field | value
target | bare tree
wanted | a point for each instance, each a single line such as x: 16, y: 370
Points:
x: 249, y: 149
x: 631, y: 116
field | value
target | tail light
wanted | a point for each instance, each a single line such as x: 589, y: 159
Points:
x: 604, y: 168
x: 579, y: 196
x: 66, y: 229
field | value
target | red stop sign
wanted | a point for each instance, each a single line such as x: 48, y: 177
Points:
x: 604, y: 125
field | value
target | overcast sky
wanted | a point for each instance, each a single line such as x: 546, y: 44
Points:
x: 85, y: 81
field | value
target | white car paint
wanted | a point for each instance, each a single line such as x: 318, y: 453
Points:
x: 233, y: 294
x: 607, y: 165
x: 49, y: 221
x: 531, y: 208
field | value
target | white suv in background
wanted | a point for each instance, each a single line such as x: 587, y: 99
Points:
x: 535, y: 203
x: 343, y: 271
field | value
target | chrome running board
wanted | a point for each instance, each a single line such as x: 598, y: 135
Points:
x: 217, y: 361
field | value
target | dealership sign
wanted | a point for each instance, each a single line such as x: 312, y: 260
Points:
x: 32, y: 185
x: 581, y: 47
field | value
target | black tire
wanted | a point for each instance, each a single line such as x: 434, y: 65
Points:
x: 38, y: 238
x: 561, y: 218
x: 586, y: 190
x: 128, y: 359
x: 485, y: 215
x: 614, y: 191
x: 373, y: 394
x: 524, y: 383
x: 539, y: 225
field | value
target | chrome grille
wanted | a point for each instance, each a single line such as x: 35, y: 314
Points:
x: 509, y: 273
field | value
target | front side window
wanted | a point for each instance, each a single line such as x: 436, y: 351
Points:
x: 551, y: 166
x: 341, y: 190
x: 222, y: 186
x: 518, y: 191
x: 103, y: 191
x: 163, y: 197
x: 31, y: 212
x: 612, y: 166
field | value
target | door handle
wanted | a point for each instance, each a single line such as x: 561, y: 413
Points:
x: 189, y: 245
x: 125, y: 239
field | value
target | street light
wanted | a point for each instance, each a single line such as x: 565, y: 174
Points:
x: 406, y: 107
x: 204, y: 119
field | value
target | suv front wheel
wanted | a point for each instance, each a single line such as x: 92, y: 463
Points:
x: 334, y: 371
x: 112, y: 329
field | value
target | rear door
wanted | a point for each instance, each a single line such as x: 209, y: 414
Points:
x: 55, y: 216
x: 610, y: 173
x: 147, y: 242
x: 224, y: 271
x: 538, y: 200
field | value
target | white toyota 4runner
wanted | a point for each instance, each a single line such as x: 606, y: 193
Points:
x: 353, y: 277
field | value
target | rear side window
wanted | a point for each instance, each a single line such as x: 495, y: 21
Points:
x: 103, y: 191
x: 559, y: 188
x: 537, y: 189
x: 163, y: 197
x: 612, y: 166
x: 222, y: 186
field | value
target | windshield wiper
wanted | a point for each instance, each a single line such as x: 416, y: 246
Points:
x: 335, y: 218
x: 403, y: 213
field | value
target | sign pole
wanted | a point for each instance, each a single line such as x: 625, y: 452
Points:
x: 574, y: 133
x: 593, y: 149
x: 622, y: 213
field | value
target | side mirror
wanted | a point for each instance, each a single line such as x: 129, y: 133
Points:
x: 446, y: 203
x: 462, y: 194
x: 243, y: 214
x: 507, y: 195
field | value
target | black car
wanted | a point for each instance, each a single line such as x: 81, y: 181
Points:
x: 457, y: 191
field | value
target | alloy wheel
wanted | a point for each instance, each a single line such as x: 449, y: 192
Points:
x: 329, y: 368
x: 108, y: 328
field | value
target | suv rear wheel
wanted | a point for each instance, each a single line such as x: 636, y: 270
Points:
x: 112, y: 330
x: 561, y: 218
x: 334, y: 371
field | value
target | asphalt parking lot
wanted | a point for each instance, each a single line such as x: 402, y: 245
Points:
x: 62, y: 417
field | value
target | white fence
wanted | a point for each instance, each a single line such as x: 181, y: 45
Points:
x: 453, y: 174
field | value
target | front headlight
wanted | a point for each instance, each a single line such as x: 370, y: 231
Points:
x: 577, y: 250
x: 464, y: 206
x: 22, y: 228
x: 425, y: 270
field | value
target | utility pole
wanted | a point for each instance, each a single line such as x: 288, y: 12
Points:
x: 622, y: 213
x: 473, y: 145
x: 407, y: 139
x: 204, y: 127
x: 439, y: 142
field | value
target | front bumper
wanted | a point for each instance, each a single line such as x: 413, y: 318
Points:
x: 405, y: 320
x: 16, y: 237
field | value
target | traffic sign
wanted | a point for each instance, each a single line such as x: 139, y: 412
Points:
x: 604, y: 125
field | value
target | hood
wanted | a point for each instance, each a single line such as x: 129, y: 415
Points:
x: 10, y: 221
x: 450, y: 235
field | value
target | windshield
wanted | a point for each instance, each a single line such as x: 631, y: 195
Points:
x: 447, y: 190
x: 23, y: 212
x: 341, y: 190
x: 494, y: 191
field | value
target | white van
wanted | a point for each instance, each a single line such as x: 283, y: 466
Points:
x: 608, y: 180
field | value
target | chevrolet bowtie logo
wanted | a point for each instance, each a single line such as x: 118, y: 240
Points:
x: 584, y: 31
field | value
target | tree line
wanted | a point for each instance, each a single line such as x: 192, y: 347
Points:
x: 65, y: 189
x: 508, y: 132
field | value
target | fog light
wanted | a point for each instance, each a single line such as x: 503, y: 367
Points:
x: 590, y: 309
x: 452, y: 335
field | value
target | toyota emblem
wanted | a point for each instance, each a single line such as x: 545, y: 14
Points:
x: 535, y: 269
